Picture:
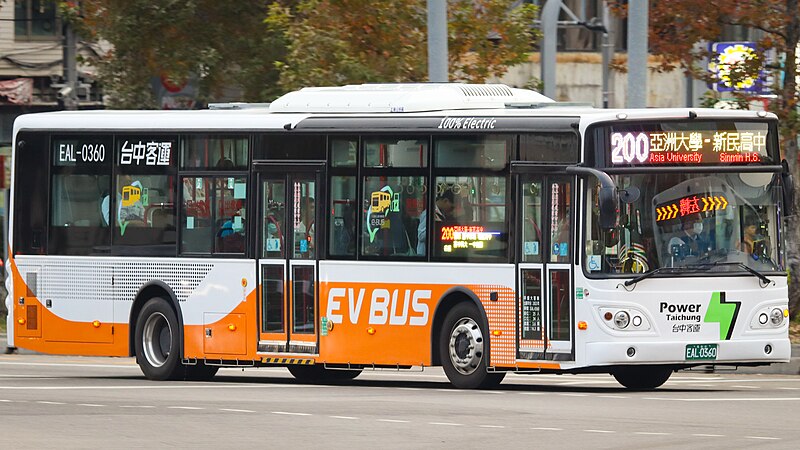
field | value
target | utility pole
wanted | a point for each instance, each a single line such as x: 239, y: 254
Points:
x: 607, y: 48
x: 69, y: 93
x: 637, y: 53
x: 549, y: 47
x: 437, y: 41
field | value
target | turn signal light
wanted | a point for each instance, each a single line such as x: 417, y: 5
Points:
x: 21, y: 321
x: 96, y: 324
x: 370, y: 331
x: 582, y: 325
x: 608, y: 315
x: 496, y: 333
x: 232, y: 327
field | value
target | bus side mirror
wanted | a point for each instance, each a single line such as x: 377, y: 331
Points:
x: 609, y: 205
x: 787, y: 185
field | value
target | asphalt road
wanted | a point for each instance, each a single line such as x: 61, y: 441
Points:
x: 77, y: 402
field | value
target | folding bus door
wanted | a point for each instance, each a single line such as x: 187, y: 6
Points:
x: 287, y: 266
x: 544, y: 267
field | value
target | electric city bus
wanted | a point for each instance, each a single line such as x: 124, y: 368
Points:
x: 480, y: 228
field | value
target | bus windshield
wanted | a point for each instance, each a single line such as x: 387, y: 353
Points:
x: 688, y: 220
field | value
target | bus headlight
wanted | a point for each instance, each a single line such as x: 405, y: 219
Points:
x: 776, y: 316
x: 622, y: 319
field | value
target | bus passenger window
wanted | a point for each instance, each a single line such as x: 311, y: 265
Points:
x: 342, y: 241
x: 213, y: 215
x: 393, y: 208
x: 476, y: 229
x: 143, y: 214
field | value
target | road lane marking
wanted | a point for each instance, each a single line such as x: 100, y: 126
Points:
x: 572, y: 394
x: 43, y: 402
x: 764, y: 399
x: 652, y: 433
x: 166, y: 386
x: 613, y: 396
x: 708, y: 435
x: 599, y: 431
x: 547, y: 429
x: 491, y: 426
x: 136, y: 406
x: 184, y: 407
x: 236, y: 410
x: 448, y: 424
x: 344, y: 417
x: 746, y: 387
x: 392, y: 421
x: 766, y: 438
x: 789, y: 388
x: 90, y: 404
x: 96, y: 366
x: 285, y: 413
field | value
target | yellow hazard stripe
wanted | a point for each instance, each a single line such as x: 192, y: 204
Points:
x: 300, y: 361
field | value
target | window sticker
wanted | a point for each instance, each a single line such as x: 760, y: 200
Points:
x: 531, y: 247
x: 381, y: 204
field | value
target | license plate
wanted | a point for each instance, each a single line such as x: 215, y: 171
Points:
x: 701, y: 351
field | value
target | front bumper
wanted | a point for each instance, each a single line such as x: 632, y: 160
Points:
x: 728, y: 352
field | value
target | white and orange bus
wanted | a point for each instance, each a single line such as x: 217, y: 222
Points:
x: 480, y: 228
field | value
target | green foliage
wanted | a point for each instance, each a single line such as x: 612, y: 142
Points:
x: 334, y: 42
x: 221, y: 44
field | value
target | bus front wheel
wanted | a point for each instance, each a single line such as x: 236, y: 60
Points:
x: 643, y: 378
x: 157, y: 341
x: 463, y: 349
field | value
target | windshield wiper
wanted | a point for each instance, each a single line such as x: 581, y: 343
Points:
x: 697, y: 267
x: 649, y: 274
x: 762, y: 278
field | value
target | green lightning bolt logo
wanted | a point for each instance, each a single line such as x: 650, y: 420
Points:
x: 724, y: 313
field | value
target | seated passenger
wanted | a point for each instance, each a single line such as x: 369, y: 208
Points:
x: 690, y: 241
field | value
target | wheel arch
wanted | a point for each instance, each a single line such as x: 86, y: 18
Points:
x: 155, y: 288
x: 448, y: 300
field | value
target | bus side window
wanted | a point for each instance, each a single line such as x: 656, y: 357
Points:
x: 342, y: 237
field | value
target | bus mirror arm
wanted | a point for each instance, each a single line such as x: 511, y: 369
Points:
x: 608, y: 196
x: 787, y: 183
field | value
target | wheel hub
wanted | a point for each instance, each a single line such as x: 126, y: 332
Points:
x: 466, y: 346
x: 157, y: 339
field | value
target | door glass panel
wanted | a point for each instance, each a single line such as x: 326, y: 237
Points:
x: 272, y: 316
x: 303, y: 299
x: 532, y: 305
x: 532, y: 221
x: 559, y: 306
x: 560, y: 219
x: 304, y: 218
x: 274, y: 209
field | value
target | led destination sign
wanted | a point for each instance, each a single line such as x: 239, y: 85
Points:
x: 708, y: 146
x: 692, y: 204
x: 462, y: 236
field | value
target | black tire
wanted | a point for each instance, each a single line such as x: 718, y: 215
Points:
x: 463, y: 349
x: 319, y: 374
x: 642, y: 378
x: 157, y: 341
x: 200, y: 372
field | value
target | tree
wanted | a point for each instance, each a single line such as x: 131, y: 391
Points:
x: 221, y: 44
x: 677, y: 25
x: 334, y: 42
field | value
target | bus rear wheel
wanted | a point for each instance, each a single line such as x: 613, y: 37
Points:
x: 463, y: 349
x: 318, y: 374
x: 157, y: 342
x: 642, y: 378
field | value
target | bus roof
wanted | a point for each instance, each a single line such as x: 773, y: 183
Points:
x: 360, y: 101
